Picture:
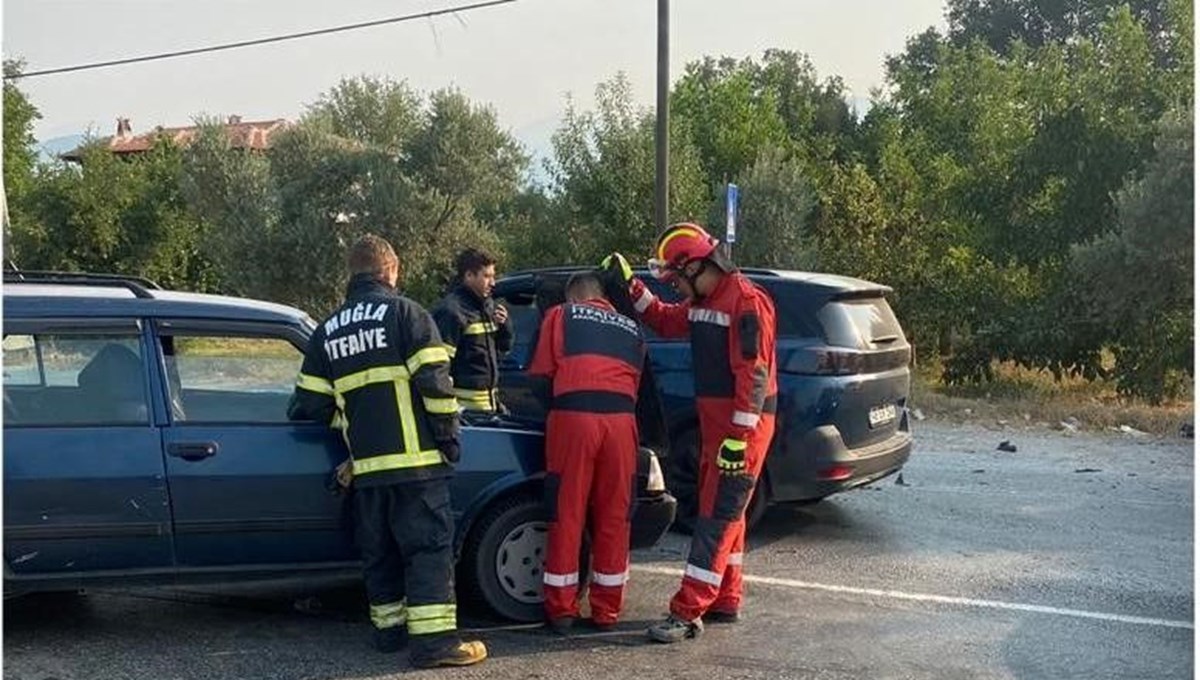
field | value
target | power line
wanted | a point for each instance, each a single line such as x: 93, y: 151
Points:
x: 260, y: 41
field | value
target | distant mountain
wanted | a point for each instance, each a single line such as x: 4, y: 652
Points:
x: 52, y: 148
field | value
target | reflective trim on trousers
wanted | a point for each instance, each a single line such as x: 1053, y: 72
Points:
x: 712, y: 578
x: 389, y: 614
x: 611, y: 580
x: 560, y: 580
x: 432, y: 618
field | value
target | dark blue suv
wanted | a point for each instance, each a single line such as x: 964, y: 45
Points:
x: 146, y: 440
x: 844, y: 378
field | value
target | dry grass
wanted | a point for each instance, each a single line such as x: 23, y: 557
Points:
x: 1023, y: 396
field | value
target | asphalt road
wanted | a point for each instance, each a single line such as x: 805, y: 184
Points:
x: 1071, y: 558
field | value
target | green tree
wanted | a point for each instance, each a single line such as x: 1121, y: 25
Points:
x: 776, y: 213
x: 603, y: 175
x: 1138, y: 281
x: 20, y: 158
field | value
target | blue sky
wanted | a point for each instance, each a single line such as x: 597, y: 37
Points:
x: 522, y: 58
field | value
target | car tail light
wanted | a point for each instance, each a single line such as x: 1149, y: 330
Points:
x: 836, y: 473
x: 655, y: 483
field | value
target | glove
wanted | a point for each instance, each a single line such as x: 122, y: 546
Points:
x: 449, y: 449
x: 343, y: 475
x: 617, y: 264
x: 731, y: 459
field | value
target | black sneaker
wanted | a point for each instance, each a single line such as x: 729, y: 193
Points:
x: 675, y: 630
x: 602, y: 626
x: 389, y: 640
x: 717, y: 616
x: 561, y: 624
x: 465, y: 654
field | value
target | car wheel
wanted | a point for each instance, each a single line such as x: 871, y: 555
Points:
x: 683, y: 475
x: 503, y: 559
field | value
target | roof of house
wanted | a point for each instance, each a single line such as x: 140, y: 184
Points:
x: 253, y: 135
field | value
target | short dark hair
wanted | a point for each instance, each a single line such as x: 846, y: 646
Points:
x: 585, y: 284
x: 370, y: 254
x: 472, y: 260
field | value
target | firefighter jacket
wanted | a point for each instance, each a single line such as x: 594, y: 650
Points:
x: 475, y: 343
x: 593, y: 355
x: 377, y: 369
x: 733, y: 349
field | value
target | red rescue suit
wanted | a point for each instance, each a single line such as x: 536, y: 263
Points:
x: 593, y: 355
x: 733, y: 361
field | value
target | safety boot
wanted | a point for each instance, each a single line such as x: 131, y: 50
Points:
x: 718, y: 616
x: 389, y: 640
x: 560, y: 624
x: 675, y: 629
x: 464, y: 654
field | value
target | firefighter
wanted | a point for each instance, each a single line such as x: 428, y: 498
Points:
x: 731, y: 323
x: 377, y: 369
x: 588, y: 363
x: 476, y: 331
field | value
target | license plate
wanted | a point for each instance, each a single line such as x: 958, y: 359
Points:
x: 881, y: 415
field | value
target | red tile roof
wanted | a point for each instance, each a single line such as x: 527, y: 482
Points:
x: 252, y: 135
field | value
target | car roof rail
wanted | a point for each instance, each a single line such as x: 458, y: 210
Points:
x: 138, y: 285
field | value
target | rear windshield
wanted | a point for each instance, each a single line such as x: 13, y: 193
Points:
x: 860, y: 323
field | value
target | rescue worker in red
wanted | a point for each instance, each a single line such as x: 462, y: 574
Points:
x: 732, y: 327
x: 589, y: 358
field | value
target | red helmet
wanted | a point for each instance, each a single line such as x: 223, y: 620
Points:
x: 679, y: 245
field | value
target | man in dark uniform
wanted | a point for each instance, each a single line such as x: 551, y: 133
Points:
x: 476, y: 331
x: 377, y: 369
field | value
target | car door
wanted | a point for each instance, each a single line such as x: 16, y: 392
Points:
x: 248, y: 486
x: 515, y: 388
x: 84, y: 481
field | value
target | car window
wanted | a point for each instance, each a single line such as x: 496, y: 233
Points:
x: 215, y: 378
x: 860, y: 323
x: 525, y: 320
x: 74, y: 379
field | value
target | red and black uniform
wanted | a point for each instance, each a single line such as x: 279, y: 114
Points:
x: 733, y: 360
x: 593, y: 356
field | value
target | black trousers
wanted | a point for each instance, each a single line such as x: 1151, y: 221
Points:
x: 405, y: 534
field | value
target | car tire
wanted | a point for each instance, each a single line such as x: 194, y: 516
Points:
x: 502, y: 560
x: 683, y: 474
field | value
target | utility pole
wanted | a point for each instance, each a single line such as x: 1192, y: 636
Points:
x: 662, y: 130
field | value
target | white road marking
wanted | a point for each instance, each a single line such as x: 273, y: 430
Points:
x: 940, y: 599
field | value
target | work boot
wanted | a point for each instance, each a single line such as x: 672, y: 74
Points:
x: 602, y: 626
x: 389, y: 640
x: 718, y: 616
x: 675, y: 629
x: 560, y: 624
x: 465, y: 654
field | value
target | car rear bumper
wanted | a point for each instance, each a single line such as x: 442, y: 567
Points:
x: 651, y: 519
x: 820, y: 464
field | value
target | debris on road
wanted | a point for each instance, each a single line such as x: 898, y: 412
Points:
x: 900, y: 480
x: 1187, y: 431
x: 918, y: 414
x: 1070, y: 425
x: 1125, y: 429
x: 1088, y: 470
x: 1007, y: 447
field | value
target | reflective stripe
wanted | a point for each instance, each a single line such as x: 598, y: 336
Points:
x: 709, y: 316
x: 397, y: 461
x: 440, y: 406
x: 560, y: 580
x: 389, y: 615
x: 734, y: 444
x: 379, y: 374
x: 745, y: 418
x: 428, y: 355
x: 313, y: 383
x: 480, y: 328
x: 451, y: 350
x: 735, y: 558
x: 611, y: 580
x: 432, y: 618
x: 643, y: 303
x: 408, y: 419
x: 477, y: 400
x: 712, y: 578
